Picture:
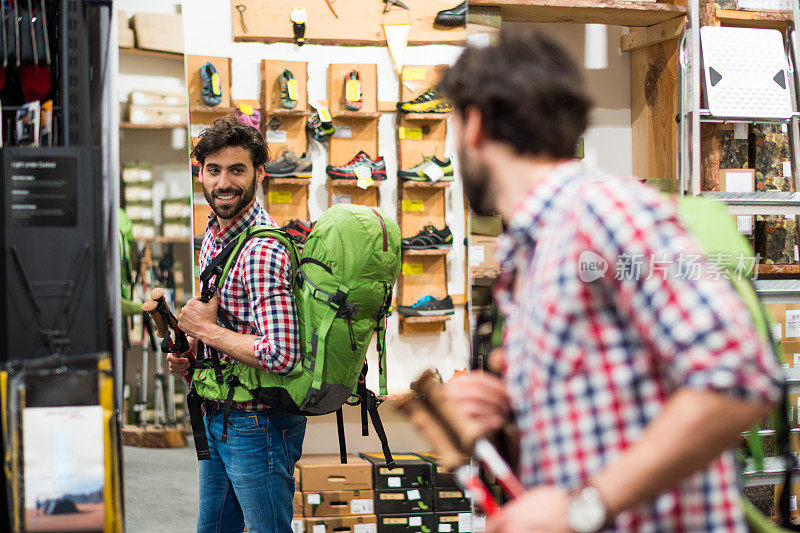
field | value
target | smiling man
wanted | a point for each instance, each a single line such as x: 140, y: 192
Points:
x: 248, y: 479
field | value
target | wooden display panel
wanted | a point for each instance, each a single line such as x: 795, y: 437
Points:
x: 423, y: 324
x: 200, y: 218
x: 417, y: 79
x: 286, y: 199
x: 369, y: 88
x: 412, y: 219
x: 363, y: 136
x: 294, y: 139
x: 271, y: 87
x: 358, y: 23
x: 433, y: 279
x: 423, y: 138
x: 347, y: 188
x: 195, y: 82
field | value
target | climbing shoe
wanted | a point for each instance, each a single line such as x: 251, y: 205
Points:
x: 428, y: 306
x: 211, y: 94
x: 288, y: 165
x: 430, y: 169
x: 377, y: 168
x: 455, y: 16
x: 428, y: 102
x: 353, y: 98
x: 288, y: 89
x: 298, y: 229
x: 319, y: 130
x: 429, y: 238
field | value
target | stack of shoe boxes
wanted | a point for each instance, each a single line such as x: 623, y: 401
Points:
x: 335, y: 496
x: 137, y: 182
x: 452, y: 505
x: 403, y: 495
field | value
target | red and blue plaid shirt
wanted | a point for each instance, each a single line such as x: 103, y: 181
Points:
x: 594, y: 348
x: 257, y: 295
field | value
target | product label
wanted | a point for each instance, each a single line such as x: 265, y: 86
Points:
x: 476, y: 256
x: 797, y: 360
x: 297, y: 526
x: 413, y: 495
x: 413, y: 206
x: 43, y: 191
x: 392, y: 496
x: 277, y: 136
x: 434, y: 172
x: 414, y: 521
x: 319, y: 528
x: 793, y: 502
x: 313, y: 499
x: 776, y: 331
x: 414, y: 73
x: 365, y: 528
x: 325, y: 115
x: 393, y: 482
x: 280, y: 197
x: 352, y: 90
x: 344, y: 132
x: 740, y: 131
x: 478, y: 523
x: 409, y: 134
x: 291, y: 88
x: 412, y: 269
x: 450, y: 494
x: 787, y: 169
x: 341, y: 199
x: 247, y: 109
x: 364, y: 506
x: 793, y: 323
x: 445, y: 527
x: 364, y: 176
x: 216, y: 88
x: 464, y: 522
x: 395, y: 521
x: 744, y: 224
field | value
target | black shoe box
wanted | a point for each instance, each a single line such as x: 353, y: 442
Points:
x: 403, y: 501
x: 407, y: 523
x: 441, y: 477
x: 449, y: 499
x: 410, y: 471
x: 451, y: 522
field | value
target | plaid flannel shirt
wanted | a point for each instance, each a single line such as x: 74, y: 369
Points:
x: 592, y: 355
x: 257, y: 295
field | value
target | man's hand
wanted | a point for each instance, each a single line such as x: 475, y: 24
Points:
x: 540, y: 510
x: 481, y: 397
x: 179, y: 364
x: 197, y: 318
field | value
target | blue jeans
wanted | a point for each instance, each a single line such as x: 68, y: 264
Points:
x: 248, y: 479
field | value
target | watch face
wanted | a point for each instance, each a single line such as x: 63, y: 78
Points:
x: 586, y: 512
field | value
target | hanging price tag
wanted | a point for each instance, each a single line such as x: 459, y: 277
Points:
x: 280, y: 197
x: 433, y: 171
x: 364, y: 176
x: 412, y: 269
x: 246, y: 109
x: 324, y: 114
x: 413, y: 206
x: 291, y: 87
x: 409, y: 134
x: 352, y: 90
x: 216, y: 88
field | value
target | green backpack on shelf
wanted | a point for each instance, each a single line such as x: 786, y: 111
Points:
x: 342, y: 285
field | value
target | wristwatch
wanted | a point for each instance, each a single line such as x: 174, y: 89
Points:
x: 586, y: 511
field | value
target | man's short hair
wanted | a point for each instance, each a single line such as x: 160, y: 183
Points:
x: 527, y: 89
x: 226, y: 132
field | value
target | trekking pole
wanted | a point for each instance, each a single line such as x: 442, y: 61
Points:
x: 159, y: 310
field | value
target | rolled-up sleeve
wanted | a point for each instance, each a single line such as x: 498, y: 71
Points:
x: 686, y: 313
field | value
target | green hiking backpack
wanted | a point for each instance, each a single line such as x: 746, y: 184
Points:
x: 342, y: 285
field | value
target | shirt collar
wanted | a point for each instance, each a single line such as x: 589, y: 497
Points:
x: 243, y: 220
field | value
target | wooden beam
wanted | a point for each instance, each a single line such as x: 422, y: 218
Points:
x: 658, y: 33
x: 612, y: 12
x: 755, y: 19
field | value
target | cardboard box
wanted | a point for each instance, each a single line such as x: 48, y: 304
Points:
x: 126, y: 37
x: 158, y: 115
x: 453, y: 522
x: 297, y: 504
x: 159, y: 98
x: 343, y: 524
x: 298, y: 525
x: 794, y: 409
x: 411, y: 471
x: 403, y: 501
x: 450, y: 500
x: 325, y: 472
x: 488, y: 225
x: 338, y: 503
x: 785, y: 328
x: 155, y: 31
x: 408, y: 523
x: 791, y: 353
x: 794, y: 493
x: 441, y: 477
x: 482, y: 262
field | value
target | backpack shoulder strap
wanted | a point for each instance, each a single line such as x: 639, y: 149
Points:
x: 258, y: 232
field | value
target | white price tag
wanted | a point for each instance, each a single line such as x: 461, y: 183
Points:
x: 476, y: 256
x: 739, y: 131
x: 393, y: 482
x: 468, y: 494
x: 313, y: 499
x: 433, y: 171
x: 793, y: 503
x: 413, y: 495
x: 464, y: 522
x: 277, y: 136
x: 345, y: 132
x: 478, y: 523
x: 776, y: 331
x: 445, y: 528
x: 744, y: 224
x: 797, y: 360
x: 414, y: 521
x: 341, y: 199
x: 796, y: 253
x: 793, y: 323
x: 365, y: 528
x: 363, y: 175
x: 297, y: 526
x: 787, y: 169
x: 361, y: 506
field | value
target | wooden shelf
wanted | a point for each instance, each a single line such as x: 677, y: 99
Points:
x: 424, y: 116
x: 214, y: 110
x: 434, y: 251
x: 281, y: 112
x: 132, y: 126
x: 289, y: 181
x: 755, y: 19
x: 151, y: 53
x: 611, y: 12
x: 358, y: 114
x: 424, y: 319
x: 166, y: 240
x: 409, y: 184
x: 778, y: 269
x: 336, y: 182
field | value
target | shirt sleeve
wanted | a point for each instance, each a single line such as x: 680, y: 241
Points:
x: 686, y: 312
x: 267, y: 273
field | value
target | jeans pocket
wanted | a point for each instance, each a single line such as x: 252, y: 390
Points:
x: 293, y: 437
x: 247, y: 423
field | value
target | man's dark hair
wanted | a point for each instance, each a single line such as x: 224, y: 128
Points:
x: 527, y: 89
x: 230, y: 132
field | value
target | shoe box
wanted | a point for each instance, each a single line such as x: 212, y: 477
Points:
x: 407, y: 523
x: 403, y: 501
x: 453, y: 522
x: 337, y: 503
x: 449, y: 500
x: 411, y: 471
x: 297, y: 504
x: 342, y: 524
x: 318, y: 473
x: 441, y: 477
x: 785, y: 328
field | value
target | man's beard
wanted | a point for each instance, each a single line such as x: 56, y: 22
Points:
x: 475, y: 176
x: 229, y: 211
